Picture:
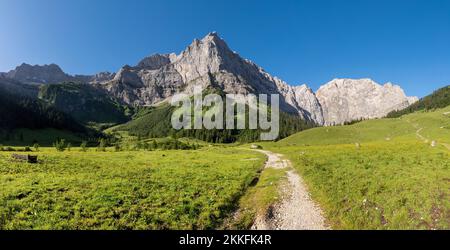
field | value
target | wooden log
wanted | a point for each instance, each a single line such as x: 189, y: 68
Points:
x: 28, y: 158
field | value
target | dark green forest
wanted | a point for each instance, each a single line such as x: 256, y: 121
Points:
x: 24, y: 112
x: 156, y: 122
x: 438, y: 99
x: 85, y: 103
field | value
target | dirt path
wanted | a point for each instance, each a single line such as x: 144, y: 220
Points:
x: 423, y: 138
x: 296, y: 209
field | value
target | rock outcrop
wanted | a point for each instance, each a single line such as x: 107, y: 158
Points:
x: 101, y: 77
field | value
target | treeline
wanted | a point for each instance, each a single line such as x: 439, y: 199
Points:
x: 166, y: 144
x: 24, y: 112
x: 439, y: 99
x: 103, y: 143
x: 156, y: 123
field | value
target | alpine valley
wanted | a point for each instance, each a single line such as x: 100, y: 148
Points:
x: 137, y: 96
x: 101, y: 152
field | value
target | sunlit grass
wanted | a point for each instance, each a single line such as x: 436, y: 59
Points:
x: 124, y: 190
x: 377, y: 174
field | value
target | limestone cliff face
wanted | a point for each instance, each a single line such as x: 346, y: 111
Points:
x: 307, y: 100
x: 208, y: 62
x: 345, y: 100
x: 304, y: 100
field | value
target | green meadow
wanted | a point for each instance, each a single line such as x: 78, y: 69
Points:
x: 161, y: 189
x: 378, y: 174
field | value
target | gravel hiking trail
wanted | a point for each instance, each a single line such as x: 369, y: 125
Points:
x: 296, y: 210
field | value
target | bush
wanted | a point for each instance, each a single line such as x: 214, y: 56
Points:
x: 60, y: 145
x: 36, y: 147
x: 102, y: 145
x: 83, y: 146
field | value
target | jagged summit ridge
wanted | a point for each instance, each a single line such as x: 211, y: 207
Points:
x: 51, y: 73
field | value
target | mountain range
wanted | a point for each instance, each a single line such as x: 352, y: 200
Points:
x: 210, y: 63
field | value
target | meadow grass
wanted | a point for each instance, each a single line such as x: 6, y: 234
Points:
x: 377, y: 174
x: 258, y: 199
x: 124, y: 190
x: 435, y: 124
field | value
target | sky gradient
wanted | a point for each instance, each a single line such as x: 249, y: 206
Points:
x: 406, y: 42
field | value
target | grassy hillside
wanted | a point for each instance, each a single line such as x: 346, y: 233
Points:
x: 378, y: 174
x: 193, y: 189
x: 439, y: 99
x: 153, y: 122
x: 435, y: 125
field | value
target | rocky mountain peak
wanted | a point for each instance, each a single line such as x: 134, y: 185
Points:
x: 344, y: 100
x: 155, y: 61
x: 27, y: 73
x: 206, y: 56
x: 213, y: 39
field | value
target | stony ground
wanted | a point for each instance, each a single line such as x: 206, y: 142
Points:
x: 296, y: 209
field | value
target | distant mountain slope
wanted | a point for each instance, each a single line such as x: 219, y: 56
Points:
x: 51, y: 73
x: 84, y: 102
x: 21, y: 111
x: 438, y: 99
x: 17, y: 87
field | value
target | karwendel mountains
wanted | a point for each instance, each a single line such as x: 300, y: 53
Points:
x: 208, y: 62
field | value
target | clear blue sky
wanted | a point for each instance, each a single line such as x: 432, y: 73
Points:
x: 406, y: 41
